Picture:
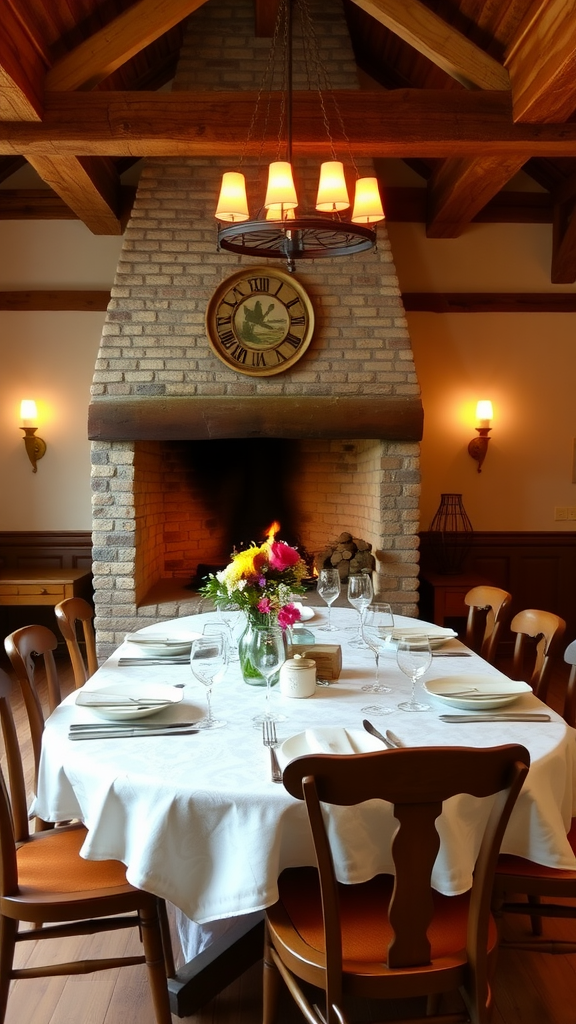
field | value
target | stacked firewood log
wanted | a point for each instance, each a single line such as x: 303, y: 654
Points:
x: 348, y: 554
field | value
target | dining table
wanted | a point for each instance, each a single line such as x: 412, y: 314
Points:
x: 197, y: 819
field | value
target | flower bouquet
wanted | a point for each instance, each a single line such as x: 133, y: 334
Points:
x: 260, y: 581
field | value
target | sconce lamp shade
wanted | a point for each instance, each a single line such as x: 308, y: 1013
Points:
x: 368, y: 207
x: 484, y: 413
x: 232, y: 202
x: 281, y: 191
x: 332, y: 192
x: 28, y: 413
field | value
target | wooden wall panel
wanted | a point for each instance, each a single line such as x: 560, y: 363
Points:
x: 539, y: 569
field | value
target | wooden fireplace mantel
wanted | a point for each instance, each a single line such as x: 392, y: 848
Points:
x: 303, y: 416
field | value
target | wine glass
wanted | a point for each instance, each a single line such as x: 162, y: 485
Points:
x: 229, y: 616
x: 360, y: 594
x: 414, y: 657
x: 268, y: 655
x: 377, y: 624
x: 328, y: 587
x: 208, y: 660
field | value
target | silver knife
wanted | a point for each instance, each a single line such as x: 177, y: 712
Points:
x: 519, y: 717
x: 174, y: 659
x: 101, y: 734
x: 88, y: 726
x: 374, y: 732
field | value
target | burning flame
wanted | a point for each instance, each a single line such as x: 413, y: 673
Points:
x: 272, y: 531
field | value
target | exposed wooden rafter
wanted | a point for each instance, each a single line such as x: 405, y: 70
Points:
x: 22, y: 70
x: 460, y: 188
x: 542, y: 63
x: 90, y: 187
x: 437, y: 40
x: 97, y: 57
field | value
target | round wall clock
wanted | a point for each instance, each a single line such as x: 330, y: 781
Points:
x: 260, y: 321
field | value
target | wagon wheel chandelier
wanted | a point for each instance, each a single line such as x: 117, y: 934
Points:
x: 280, y: 230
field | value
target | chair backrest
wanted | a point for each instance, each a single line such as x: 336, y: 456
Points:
x: 547, y: 629
x: 69, y: 613
x: 415, y: 781
x: 13, y: 807
x: 489, y: 607
x: 570, y: 696
x: 22, y: 647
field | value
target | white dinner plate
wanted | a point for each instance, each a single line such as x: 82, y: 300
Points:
x: 486, y: 691
x: 436, y: 635
x: 161, y: 646
x: 305, y: 612
x: 146, y: 691
x: 329, y: 740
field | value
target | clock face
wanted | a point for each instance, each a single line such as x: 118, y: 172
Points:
x: 260, y: 321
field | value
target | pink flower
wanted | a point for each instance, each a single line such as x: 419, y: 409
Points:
x: 282, y: 556
x: 288, y: 615
x: 264, y: 605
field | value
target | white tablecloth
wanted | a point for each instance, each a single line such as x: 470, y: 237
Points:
x: 197, y: 820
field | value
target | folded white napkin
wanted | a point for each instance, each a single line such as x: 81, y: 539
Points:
x: 329, y: 741
x: 432, y: 631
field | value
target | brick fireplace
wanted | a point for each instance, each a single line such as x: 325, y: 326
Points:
x: 335, y: 437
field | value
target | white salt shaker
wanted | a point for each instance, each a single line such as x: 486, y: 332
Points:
x: 298, y: 677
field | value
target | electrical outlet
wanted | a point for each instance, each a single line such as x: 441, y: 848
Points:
x: 572, y: 512
x: 560, y: 512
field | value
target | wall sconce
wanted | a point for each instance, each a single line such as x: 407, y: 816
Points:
x: 479, y: 445
x: 35, y: 446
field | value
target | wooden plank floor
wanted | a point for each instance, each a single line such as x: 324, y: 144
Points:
x: 530, y: 988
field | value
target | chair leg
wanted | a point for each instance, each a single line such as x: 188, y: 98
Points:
x: 535, y: 920
x: 8, y: 930
x: 155, y: 964
x: 271, y: 982
x: 166, y: 939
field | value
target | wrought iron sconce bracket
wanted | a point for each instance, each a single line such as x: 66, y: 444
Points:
x: 35, y: 446
x: 478, y: 446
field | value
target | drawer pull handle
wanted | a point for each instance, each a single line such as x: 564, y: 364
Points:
x: 44, y: 591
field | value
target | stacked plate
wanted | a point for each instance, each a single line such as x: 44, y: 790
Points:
x: 437, y: 635
x: 124, y: 701
x: 476, y: 692
x: 156, y: 645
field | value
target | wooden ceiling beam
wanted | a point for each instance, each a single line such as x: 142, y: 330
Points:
x: 461, y: 187
x: 91, y: 188
x: 22, y: 71
x: 405, y: 123
x: 564, y: 243
x: 106, y: 50
x: 542, y: 63
x: 430, y: 35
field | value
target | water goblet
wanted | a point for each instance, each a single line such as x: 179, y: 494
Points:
x: 328, y: 587
x: 360, y: 594
x: 414, y: 657
x: 208, y: 660
x: 230, y: 617
x: 377, y: 625
x: 268, y: 656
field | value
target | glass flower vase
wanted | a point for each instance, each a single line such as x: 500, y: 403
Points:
x: 251, y: 675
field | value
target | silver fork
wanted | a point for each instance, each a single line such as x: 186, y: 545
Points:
x: 270, y: 740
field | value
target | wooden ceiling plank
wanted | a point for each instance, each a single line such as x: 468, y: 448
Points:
x: 265, y: 16
x: 542, y: 64
x: 430, y: 35
x: 105, y: 51
x: 402, y: 123
x: 460, y: 188
x: 22, y: 72
x: 564, y: 244
x: 91, y: 188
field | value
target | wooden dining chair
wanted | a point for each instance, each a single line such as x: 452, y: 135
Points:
x: 69, y: 613
x: 539, y: 634
x: 391, y: 938
x: 520, y: 884
x: 43, y: 879
x: 489, y: 611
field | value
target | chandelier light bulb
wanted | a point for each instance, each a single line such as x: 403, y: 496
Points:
x: 281, y: 192
x: 332, y: 192
x: 232, y: 202
x: 368, y: 207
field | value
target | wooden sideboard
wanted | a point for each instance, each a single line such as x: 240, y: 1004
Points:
x: 43, y: 586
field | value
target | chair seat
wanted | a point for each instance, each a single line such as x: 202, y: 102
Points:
x: 510, y: 865
x: 51, y: 863
x: 366, y: 933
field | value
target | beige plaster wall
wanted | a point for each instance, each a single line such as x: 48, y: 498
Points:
x: 525, y: 363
